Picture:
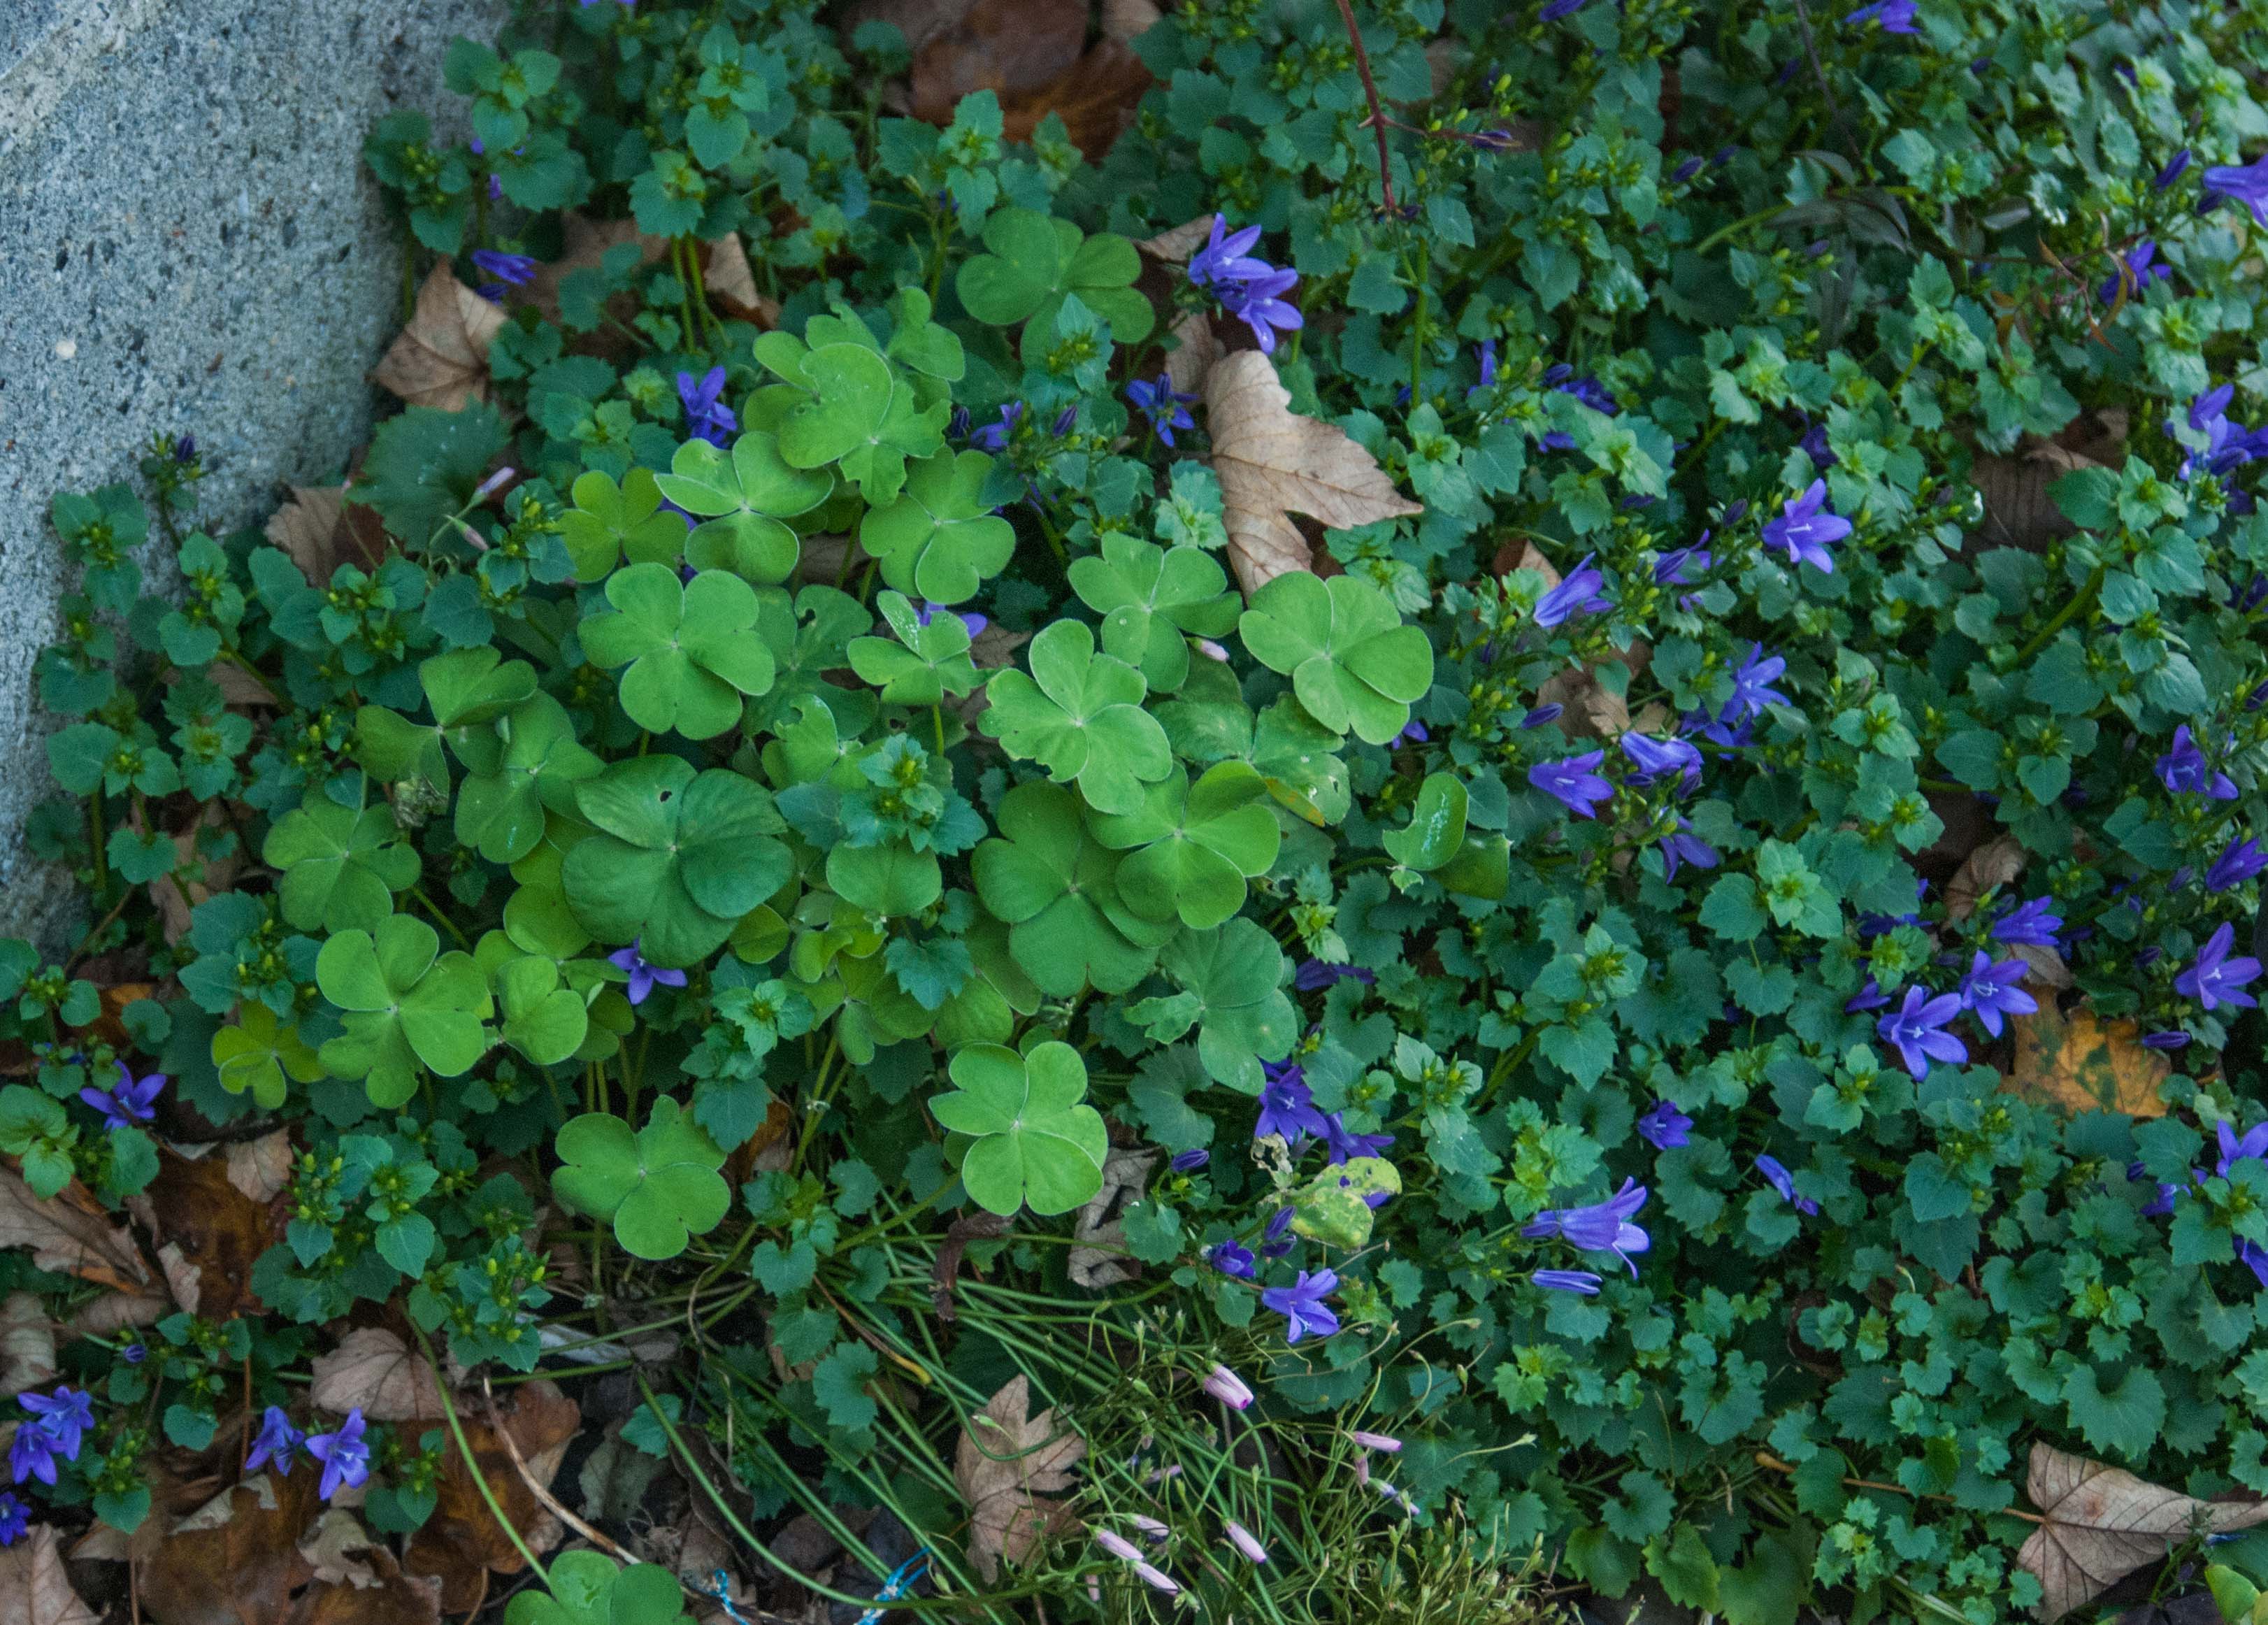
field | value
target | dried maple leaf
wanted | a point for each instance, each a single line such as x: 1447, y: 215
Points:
x: 462, y: 1541
x: 219, y: 1230
x: 234, y: 1559
x: 441, y: 359
x: 1272, y: 463
x: 372, y: 1370
x: 34, y: 1588
x: 1008, y: 1464
x: 2070, y: 1061
x: 320, y: 531
x: 2102, y: 1524
x: 27, y: 1344
x: 70, y: 1232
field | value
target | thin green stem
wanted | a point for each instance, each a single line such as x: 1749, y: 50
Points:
x: 473, y: 1466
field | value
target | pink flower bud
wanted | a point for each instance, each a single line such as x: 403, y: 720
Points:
x: 1241, y: 1538
x: 1148, y: 1526
x: 1374, y: 1441
x: 1226, y: 1387
x: 1211, y: 651
x: 1118, y: 1546
x: 495, y: 482
x: 479, y: 543
x: 1158, y: 1578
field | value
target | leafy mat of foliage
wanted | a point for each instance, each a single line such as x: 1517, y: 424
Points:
x: 922, y: 813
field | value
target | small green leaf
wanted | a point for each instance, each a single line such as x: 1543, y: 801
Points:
x: 1080, y: 715
x: 1436, y: 831
x: 1036, y: 1144
x: 659, y: 1187
x: 1353, y: 664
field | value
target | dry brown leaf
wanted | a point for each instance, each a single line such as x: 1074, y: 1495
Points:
x: 1008, y: 1466
x: 262, y: 1168
x: 441, y: 359
x: 331, y: 1547
x: 1128, y: 20
x: 70, y: 1232
x: 235, y: 1560
x: 1100, y: 1259
x: 2070, y: 1061
x: 1272, y: 463
x: 1013, y: 47
x: 462, y: 1541
x: 34, y: 1588
x: 1095, y: 98
x: 2103, y: 1523
x: 173, y: 901
x: 220, y: 1231
x: 2018, y: 511
x: 1996, y: 863
x: 1175, y: 246
x: 374, y: 1370
x: 1196, y: 349
x: 389, y: 1597
x: 731, y: 284
x: 819, y: 561
x: 320, y: 531
x: 27, y: 1344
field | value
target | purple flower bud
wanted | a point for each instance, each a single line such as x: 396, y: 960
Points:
x: 1226, y: 1387
x: 1685, y: 170
x: 1189, y: 1161
x: 1374, y: 1441
x: 1118, y: 1546
x: 2172, y: 172
x: 1240, y: 1537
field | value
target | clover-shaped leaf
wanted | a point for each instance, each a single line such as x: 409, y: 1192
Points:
x: 1034, y: 261
x: 1080, y: 715
x: 587, y: 1589
x: 929, y: 661
x: 940, y: 539
x: 501, y: 813
x: 544, y: 1019
x: 743, y: 495
x: 408, y: 1006
x: 856, y: 413
x: 692, y: 647
x: 1153, y: 600
x: 1199, y: 843
x: 1037, y: 1145
x: 1436, y: 832
x: 465, y: 689
x: 921, y: 345
x: 810, y: 635
x: 258, y: 1053
x: 679, y: 858
x: 659, y: 1187
x: 1352, y: 663
x: 1054, y: 884
x: 342, y: 866
x: 1296, y: 756
x: 611, y: 522
x: 892, y: 879
x: 1232, y: 993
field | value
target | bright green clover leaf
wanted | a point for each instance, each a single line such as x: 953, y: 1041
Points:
x: 1199, y: 843
x: 1436, y: 832
x: 660, y: 1186
x: 1080, y: 715
x: 1353, y: 664
x: 1034, y: 260
x: 1153, y: 600
x: 921, y: 345
x: 341, y: 866
x: 679, y: 859
x: 502, y: 813
x: 1295, y: 755
x: 891, y: 879
x: 940, y: 539
x: 611, y: 522
x: 1231, y: 979
x: 858, y: 414
x: 258, y: 1053
x: 692, y: 647
x: 808, y: 635
x: 868, y: 1007
x: 1053, y: 884
x: 743, y: 495
x: 465, y: 689
x: 1037, y: 1145
x: 408, y: 1006
x: 927, y: 663
x: 544, y: 1019
x: 1330, y: 1208
x: 587, y: 1589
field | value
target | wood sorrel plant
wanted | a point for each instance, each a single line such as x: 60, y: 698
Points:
x: 1688, y: 1004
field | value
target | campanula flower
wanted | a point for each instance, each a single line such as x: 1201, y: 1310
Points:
x: 1301, y: 1305
x: 1687, y: 170
x: 1314, y: 975
x: 500, y: 269
x: 1544, y: 716
x: 1891, y: 16
x: 1776, y: 1175
x: 1157, y: 1579
x: 1287, y: 1106
x: 1573, y: 782
x: 2252, y: 1146
x: 1665, y: 1128
x: 707, y: 418
x: 1870, y: 997
x: 1669, y: 569
x: 1225, y: 261
x: 1374, y: 1441
x: 134, y: 1354
x: 994, y: 436
x: 2162, y: 1203
x: 31, y: 1454
x: 1226, y: 1387
x: 1992, y: 991
x: 277, y: 1444
x: 2217, y: 978
x: 1582, y: 1283
x: 1682, y: 845
x: 2137, y: 270
x: 64, y: 1415
x: 2185, y: 771
x: 2029, y: 924
x: 15, y: 1519
x: 1814, y: 446
x: 1240, y: 1537
x: 1412, y: 734
x: 1806, y: 526
x: 1601, y: 1227
x: 1346, y: 1144
x: 1752, y: 683
x: 2172, y: 1039
x: 2245, y: 184
x: 2253, y: 1257
x: 345, y: 1455
x: 1231, y: 1261
x: 644, y: 978
x: 1118, y: 1546
x: 1578, y: 595
x: 1166, y: 408
x: 1586, y: 388
x: 2239, y: 863
x: 1558, y: 9
x: 1486, y: 352
x: 1189, y: 1161
x: 1915, y: 1029
x: 2172, y: 172
x: 127, y: 1102
x: 1261, y: 307
x: 1661, y: 758
x: 970, y: 621
x: 1276, y: 1240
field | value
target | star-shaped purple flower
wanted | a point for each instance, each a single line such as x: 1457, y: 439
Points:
x: 1776, y: 1174
x: 1260, y: 305
x: 1578, y: 595
x: 1662, y: 758
x: 2239, y: 863
x: 1806, y: 527
x: 1601, y: 1227
x: 1573, y: 782
x: 277, y: 1444
x: 707, y: 418
x: 2244, y: 183
x: 1226, y: 258
x: 2185, y: 771
x: 129, y: 1101
x: 1665, y: 1128
x: 345, y: 1455
x: 1991, y: 990
x: 2218, y: 978
x: 15, y: 1519
x: 1166, y: 408
x: 1231, y: 1259
x: 1301, y: 1305
x: 1915, y: 1030
x: 644, y: 978
x: 1287, y: 1107
x: 2029, y: 924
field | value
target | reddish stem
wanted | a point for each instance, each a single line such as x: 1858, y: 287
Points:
x: 1377, y: 113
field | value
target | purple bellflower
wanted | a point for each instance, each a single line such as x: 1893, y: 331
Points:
x: 2217, y: 978
x: 1806, y: 527
x: 1573, y: 782
x: 1578, y: 595
x: 2239, y: 863
x: 1287, y: 1105
x: 993, y: 437
x: 2029, y: 924
x: 2176, y: 166
x: 1226, y: 261
x: 2251, y: 1146
x: 345, y: 1455
x: 1992, y: 991
x: 127, y: 1102
x: 2245, y: 184
x: 707, y: 418
x: 1314, y: 975
x: 1601, y: 1227
x: 1582, y: 1283
x: 1344, y: 1143
x: 1777, y: 1176
x: 1662, y: 758
x: 500, y: 268
x: 1752, y: 683
x: 1262, y: 307
x: 1915, y: 1030
x: 277, y: 1444
x: 970, y: 621
x: 1301, y: 1305
x: 1277, y: 1239
x: 1682, y: 845
x: 1166, y: 408
x: 1665, y: 1128
x: 1231, y: 1261
x: 1189, y: 1161
x: 1891, y: 16
x: 2138, y: 268
x: 644, y: 978
x: 15, y: 1519
x: 2185, y: 771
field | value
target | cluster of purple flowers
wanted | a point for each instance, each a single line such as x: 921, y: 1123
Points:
x: 2227, y: 447
x: 1606, y: 1226
x: 517, y: 269
x: 56, y: 1432
x: 1249, y: 288
x: 1891, y: 16
x: 1585, y: 388
x: 1288, y: 1111
x: 345, y: 1453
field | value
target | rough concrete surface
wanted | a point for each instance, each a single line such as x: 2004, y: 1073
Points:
x: 187, y: 243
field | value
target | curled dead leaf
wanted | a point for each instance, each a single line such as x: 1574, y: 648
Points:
x: 27, y: 1344
x: 2101, y: 1523
x: 2018, y: 511
x: 1273, y: 462
x: 441, y: 359
x: 262, y: 1168
x: 731, y: 284
x: 219, y: 1230
x: 1008, y: 1466
x: 2070, y: 1061
x: 1099, y: 1259
x: 463, y: 1543
x: 70, y: 1233
x: 1996, y: 863
x: 1176, y: 246
x: 34, y: 1587
x: 373, y: 1371
x: 320, y: 531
